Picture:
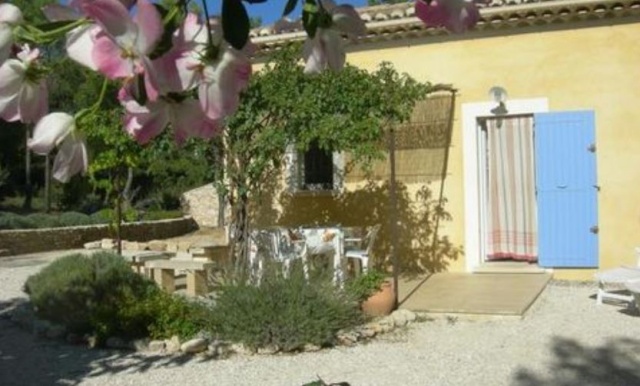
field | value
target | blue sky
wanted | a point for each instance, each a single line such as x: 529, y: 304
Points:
x: 271, y: 10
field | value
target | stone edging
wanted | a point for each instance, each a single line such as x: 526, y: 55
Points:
x: 23, y: 315
x: 23, y: 241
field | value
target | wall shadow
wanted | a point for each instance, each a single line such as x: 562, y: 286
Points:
x: 574, y: 364
x: 421, y: 246
x: 26, y: 359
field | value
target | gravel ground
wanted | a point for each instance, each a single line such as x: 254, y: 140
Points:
x: 565, y: 339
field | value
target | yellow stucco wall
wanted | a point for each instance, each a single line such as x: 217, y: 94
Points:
x: 594, y: 67
x: 587, y: 68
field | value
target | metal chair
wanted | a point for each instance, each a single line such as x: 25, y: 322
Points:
x: 275, y: 245
x: 366, y: 247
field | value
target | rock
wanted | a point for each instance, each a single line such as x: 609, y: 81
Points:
x: 131, y: 246
x: 157, y: 246
x: 399, y: 319
x: 367, y: 332
x: 4, y: 252
x: 108, y: 244
x: 268, y: 350
x: 408, y: 315
x: 140, y: 344
x: 172, y: 345
x: 143, y: 246
x: 311, y: 347
x: 219, y: 349
x: 156, y: 345
x: 93, y: 245
x: 375, y: 327
x: 172, y: 246
x: 387, y: 320
x: 241, y: 349
x: 116, y: 343
x: 194, y: 346
x: 347, y: 338
x: 56, y: 331
x: 92, y: 341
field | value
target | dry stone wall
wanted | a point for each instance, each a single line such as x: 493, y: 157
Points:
x: 48, y: 239
x: 202, y: 204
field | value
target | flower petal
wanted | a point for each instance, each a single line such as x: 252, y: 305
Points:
x: 334, y: 50
x: 6, y: 41
x: 80, y: 45
x: 59, y: 12
x: 348, y: 20
x: 112, y: 16
x: 188, y: 120
x: 70, y: 160
x: 10, y: 14
x: 34, y: 102
x: 51, y: 130
x: 12, y: 73
x: 314, y: 55
x: 149, y: 26
x: 107, y: 56
x: 143, y: 123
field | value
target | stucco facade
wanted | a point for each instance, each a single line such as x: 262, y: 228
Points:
x: 582, y: 60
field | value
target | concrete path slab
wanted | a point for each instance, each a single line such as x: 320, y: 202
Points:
x: 479, y: 294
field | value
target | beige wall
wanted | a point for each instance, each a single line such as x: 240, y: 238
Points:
x: 594, y: 67
x: 588, y: 68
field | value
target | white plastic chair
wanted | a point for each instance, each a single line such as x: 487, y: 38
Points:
x: 276, y: 245
x: 615, y: 278
x: 366, y: 247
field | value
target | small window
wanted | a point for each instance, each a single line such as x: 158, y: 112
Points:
x: 314, y: 170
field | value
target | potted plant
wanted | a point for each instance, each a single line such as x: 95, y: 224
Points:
x: 374, y: 292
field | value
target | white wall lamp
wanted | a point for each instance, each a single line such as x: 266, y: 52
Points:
x: 499, y: 95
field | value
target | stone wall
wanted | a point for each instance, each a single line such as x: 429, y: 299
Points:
x: 202, y: 204
x: 49, y: 239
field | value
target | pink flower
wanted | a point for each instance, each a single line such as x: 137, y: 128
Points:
x: 59, y: 130
x: 122, y: 46
x: 222, y: 82
x: 185, y: 117
x: 325, y: 49
x: 10, y: 15
x: 23, y: 89
x: 455, y: 15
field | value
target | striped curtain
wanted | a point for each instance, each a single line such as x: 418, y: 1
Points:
x: 511, y: 210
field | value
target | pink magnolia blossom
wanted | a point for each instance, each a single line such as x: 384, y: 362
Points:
x: 455, y: 15
x: 185, y: 117
x: 220, y: 78
x: 10, y: 15
x: 122, y: 45
x: 325, y: 49
x: 23, y: 89
x: 59, y: 130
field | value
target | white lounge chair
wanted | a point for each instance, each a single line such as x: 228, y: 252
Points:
x: 366, y: 248
x: 617, y: 278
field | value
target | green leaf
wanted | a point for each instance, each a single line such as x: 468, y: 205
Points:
x: 235, y: 23
x: 46, y: 27
x: 310, y: 17
x: 291, y: 5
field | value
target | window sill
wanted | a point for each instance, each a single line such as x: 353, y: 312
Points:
x: 317, y: 193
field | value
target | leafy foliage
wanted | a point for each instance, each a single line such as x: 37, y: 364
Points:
x: 363, y: 286
x: 288, y: 312
x: 101, y: 295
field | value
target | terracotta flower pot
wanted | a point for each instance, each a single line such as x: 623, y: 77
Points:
x: 380, y: 303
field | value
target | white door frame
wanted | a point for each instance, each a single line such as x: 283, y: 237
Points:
x: 471, y: 162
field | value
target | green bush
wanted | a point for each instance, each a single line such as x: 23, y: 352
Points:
x: 10, y: 220
x: 43, y: 220
x: 176, y: 315
x: 68, y: 219
x: 108, y: 215
x: 285, y: 311
x: 97, y: 294
x: 365, y: 285
x: 161, y: 215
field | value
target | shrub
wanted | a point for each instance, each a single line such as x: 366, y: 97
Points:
x: 10, y: 220
x: 161, y: 215
x: 108, y: 215
x: 96, y: 294
x: 176, y: 315
x: 68, y: 219
x: 43, y: 220
x: 285, y: 311
x: 365, y: 285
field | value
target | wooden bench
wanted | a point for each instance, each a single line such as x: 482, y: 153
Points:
x: 163, y: 272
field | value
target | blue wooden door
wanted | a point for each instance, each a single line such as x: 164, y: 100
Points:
x: 567, y: 189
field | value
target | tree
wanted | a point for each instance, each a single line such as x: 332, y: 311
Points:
x: 340, y: 111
